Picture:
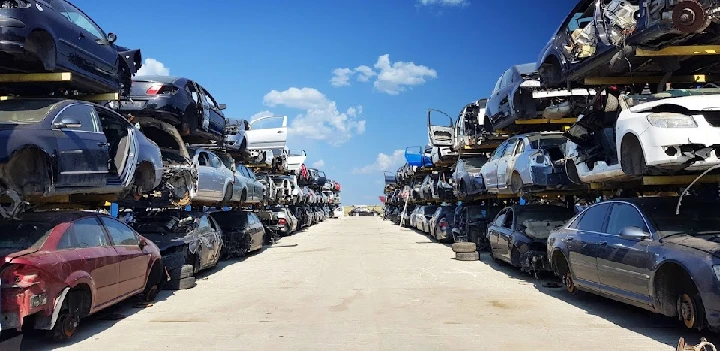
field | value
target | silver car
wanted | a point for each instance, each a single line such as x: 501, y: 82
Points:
x: 246, y: 188
x: 215, y: 183
x: 467, y: 178
x: 527, y: 162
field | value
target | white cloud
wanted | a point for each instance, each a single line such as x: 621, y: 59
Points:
x: 153, y: 67
x: 321, y: 120
x: 390, y: 78
x: 341, y: 77
x: 383, y: 162
x: 318, y: 164
x: 448, y: 3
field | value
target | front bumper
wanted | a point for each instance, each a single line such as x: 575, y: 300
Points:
x: 693, y: 149
x: 534, y: 261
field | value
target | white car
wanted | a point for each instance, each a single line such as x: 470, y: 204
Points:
x: 677, y: 130
x: 295, y: 160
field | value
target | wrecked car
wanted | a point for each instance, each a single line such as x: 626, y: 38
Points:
x: 180, y: 174
x: 247, y: 189
x: 235, y: 136
x: 418, y: 156
x: 259, y: 138
x: 67, y: 147
x: 471, y: 224
x: 62, y: 266
x: 527, y: 162
x: 242, y: 232
x: 673, y: 132
x: 519, y: 234
x: 215, y: 180
x: 516, y: 96
x: 646, y: 253
x: 467, y: 177
x: 279, y: 220
x: 599, y: 38
x: 469, y: 129
x: 441, y: 223
x: 288, y: 191
x: 36, y: 37
x: 295, y: 160
x: 178, y: 101
x: 189, y: 242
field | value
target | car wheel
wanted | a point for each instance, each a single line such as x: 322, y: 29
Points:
x: 228, y: 194
x: 65, y: 326
x: 690, y: 310
x: 154, y: 280
x: 467, y: 256
x: 181, y: 284
x: 516, y: 183
x: 632, y: 158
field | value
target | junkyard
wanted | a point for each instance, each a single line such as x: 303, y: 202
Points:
x: 572, y: 204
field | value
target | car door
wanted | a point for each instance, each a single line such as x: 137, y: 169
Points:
x: 206, y: 179
x: 216, y: 242
x: 267, y: 138
x: 221, y: 174
x: 257, y: 231
x: 625, y: 264
x: 584, y: 245
x: 83, y: 150
x: 440, y: 135
x: 217, y: 120
x: 493, y: 232
x: 209, y: 243
x: 86, y: 247
x: 134, y: 261
x: 489, y: 169
x: 254, y: 186
x: 97, y: 56
x: 505, y: 233
x: 504, y: 163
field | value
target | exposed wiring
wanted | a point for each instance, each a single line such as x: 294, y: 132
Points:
x: 685, y: 192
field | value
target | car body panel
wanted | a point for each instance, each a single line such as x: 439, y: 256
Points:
x: 267, y: 138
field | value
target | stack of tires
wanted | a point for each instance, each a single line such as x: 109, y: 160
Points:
x: 180, y: 273
x: 465, y: 251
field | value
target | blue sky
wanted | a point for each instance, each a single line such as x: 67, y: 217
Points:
x: 281, y: 55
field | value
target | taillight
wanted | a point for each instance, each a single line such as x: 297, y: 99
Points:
x: 154, y: 89
x: 443, y: 223
x: 282, y: 221
x: 19, y: 276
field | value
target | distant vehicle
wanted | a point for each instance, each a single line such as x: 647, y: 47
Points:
x: 216, y: 181
x: 242, y: 232
x: 60, y: 267
x: 64, y: 147
x: 55, y: 36
x: 441, y: 223
x: 179, y: 101
x: 247, y: 189
x: 467, y: 177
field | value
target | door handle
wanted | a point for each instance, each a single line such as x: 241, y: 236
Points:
x: 81, y: 36
x: 279, y: 131
x: 603, y: 243
x: 101, y: 144
x: 570, y: 238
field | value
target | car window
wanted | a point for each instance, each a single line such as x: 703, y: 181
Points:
x: 510, y: 147
x: 121, y: 234
x: 83, y: 233
x: 76, y: 17
x: 520, y: 147
x: 210, y: 100
x: 250, y: 173
x: 203, y: 159
x: 508, y: 220
x: 500, y: 220
x: 213, y: 225
x: 594, y: 218
x: 243, y: 170
x: 623, y: 216
x: 85, y: 114
x: 499, y: 151
x: 204, y: 223
x: 253, y: 218
x: 507, y: 78
x: 215, y: 161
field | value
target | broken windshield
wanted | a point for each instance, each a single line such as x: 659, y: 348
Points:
x: 25, y: 111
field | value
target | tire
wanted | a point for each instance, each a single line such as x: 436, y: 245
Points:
x: 464, y: 247
x: 174, y: 260
x: 227, y: 194
x: 183, y: 272
x: 516, y: 183
x: 467, y: 256
x: 632, y: 158
x: 65, y: 326
x: 180, y: 284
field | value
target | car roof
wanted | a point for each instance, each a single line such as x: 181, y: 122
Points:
x: 160, y: 79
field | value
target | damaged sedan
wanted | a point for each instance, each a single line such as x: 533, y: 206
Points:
x: 68, y: 147
x: 242, y: 232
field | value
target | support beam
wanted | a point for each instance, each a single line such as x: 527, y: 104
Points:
x: 36, y: 77
x: 697, y: 78
x: 679, y: 179
x: 569, y: 120
x: 688, y: 50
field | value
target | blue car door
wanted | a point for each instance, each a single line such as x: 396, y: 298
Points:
x: 96, y: 55
x: 83, y: 150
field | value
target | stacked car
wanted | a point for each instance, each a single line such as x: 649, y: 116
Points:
x: 598, y: 163
x: 114, y: 185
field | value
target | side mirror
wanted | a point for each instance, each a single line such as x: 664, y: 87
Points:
x: 111, y: 38
x: 222, y: 107
x: 143, y: 242
x: 69, y: 123
x: 634, y: 233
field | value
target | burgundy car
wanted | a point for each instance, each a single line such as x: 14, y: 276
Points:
x: 62, y: 266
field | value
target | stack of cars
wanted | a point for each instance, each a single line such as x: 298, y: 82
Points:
x: 186, y: 187
x: 597, y: 164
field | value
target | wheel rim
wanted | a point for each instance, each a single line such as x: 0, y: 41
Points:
x: 69, y: 325
x: 569, y: 282
x: 687, y: 310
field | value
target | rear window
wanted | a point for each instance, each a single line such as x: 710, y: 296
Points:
x: 548, y: 142
x: 165, y: 223
x: 25, y: 111
x: 550, y: 214
x: 21, y: 235
x: 475, y: 163
x: 430, y: 209
x: 229, y: 219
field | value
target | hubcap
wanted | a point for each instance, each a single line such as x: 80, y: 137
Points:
x: 569, y: 283
x: 687, y: 311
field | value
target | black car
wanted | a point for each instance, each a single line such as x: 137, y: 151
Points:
x: 38, y: 36
x: 317, y: 177
x: 648, y: 253
x: 189, y: 241
x: 519, y: 234
x: 600, y: 38
x: 65, y: 147
x: 242, y: 232
x: 471, y: 224
x: 179, y: 101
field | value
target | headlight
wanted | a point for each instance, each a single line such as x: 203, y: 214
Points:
x: 716, y: 270
x: 671, y: 120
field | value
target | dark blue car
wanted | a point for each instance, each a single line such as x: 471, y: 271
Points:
x: 38, y: 36
x: 640, y: 252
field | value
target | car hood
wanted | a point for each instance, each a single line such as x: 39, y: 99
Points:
x: 707, y: 244
x: 690, y: 102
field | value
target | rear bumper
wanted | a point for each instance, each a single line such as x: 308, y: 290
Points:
x: 549, y: 176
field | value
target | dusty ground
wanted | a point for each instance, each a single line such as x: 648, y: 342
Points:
x: 364, y: 284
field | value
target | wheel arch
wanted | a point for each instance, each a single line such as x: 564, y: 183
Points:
x: 41, y: 42
x: 677, y: 276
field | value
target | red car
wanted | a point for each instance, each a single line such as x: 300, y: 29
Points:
x: 60, y: 267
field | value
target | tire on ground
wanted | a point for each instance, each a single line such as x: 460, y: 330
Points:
x: 180, y: 284
x: 464, y: 247
x: 185, y: 271
x: 467, y: 256
x: 174, y: 260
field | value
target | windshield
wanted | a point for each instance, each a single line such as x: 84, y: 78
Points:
x: 475, y: 213
x: 25, y: 111
x: 19, y: 236
x: 548, y: 142
x: 694, y: 219
x: 548, y: 214
x: 474, y: 164
x: 229, y: 219
x: 428, y: 210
